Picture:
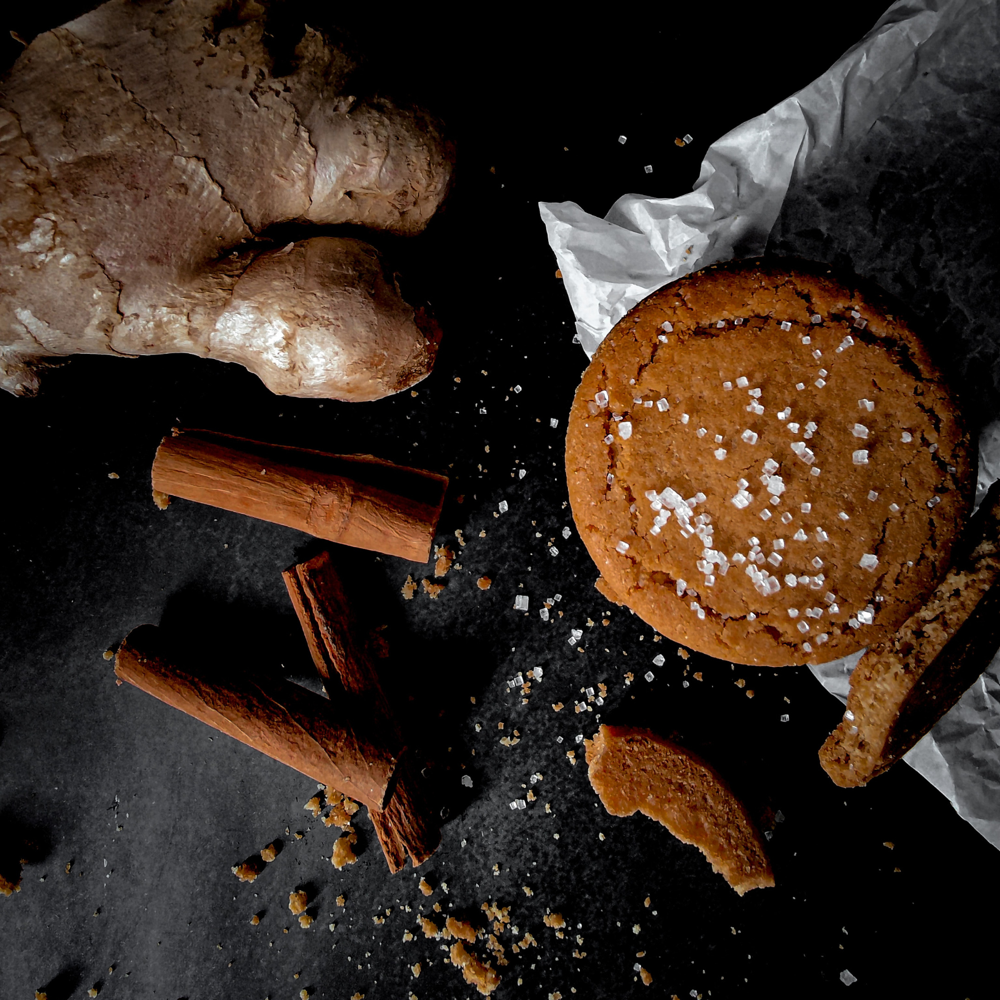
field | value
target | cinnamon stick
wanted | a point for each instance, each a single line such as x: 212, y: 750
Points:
x: 274, y: 716
x: 355, y: 500
x: 408, y: 824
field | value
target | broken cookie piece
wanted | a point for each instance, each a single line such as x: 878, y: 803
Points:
x: 901, y: 688
x: 635, y: 769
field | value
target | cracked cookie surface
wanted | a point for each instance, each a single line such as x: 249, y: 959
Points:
x: 765, y: 464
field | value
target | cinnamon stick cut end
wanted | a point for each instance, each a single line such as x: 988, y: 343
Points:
x: 901, y: 688
x: 635, y: 769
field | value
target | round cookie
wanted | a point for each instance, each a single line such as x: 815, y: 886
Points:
x: 766, y: 466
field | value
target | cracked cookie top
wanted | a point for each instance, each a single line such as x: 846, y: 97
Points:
x: 765, y: 464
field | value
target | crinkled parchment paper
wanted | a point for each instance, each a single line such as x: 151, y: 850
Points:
x: 884, y: 165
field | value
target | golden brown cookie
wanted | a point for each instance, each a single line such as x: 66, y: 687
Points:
x: 637, y: 770
x: 765, y: 464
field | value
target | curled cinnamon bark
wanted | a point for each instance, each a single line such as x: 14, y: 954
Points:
x: 276, y: 717
x: 355, y: 500
x: 407, y: 825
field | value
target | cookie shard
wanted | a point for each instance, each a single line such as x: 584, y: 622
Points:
x: 635, y: 769
x: 901, y: 688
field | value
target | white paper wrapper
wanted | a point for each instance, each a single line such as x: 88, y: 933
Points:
x: 884, y: 164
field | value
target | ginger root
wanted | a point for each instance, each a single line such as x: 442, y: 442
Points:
x: 143, y: 149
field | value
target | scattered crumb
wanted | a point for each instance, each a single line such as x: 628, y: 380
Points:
x: 571, y: 754
x: 697, y: 675
x: 341, y: 901
x: 108, y: 654
x: 559, y: 274
x: 425, y: 887
x: 683, y: 653
x: 645, y: 976
x: 303, y: 994
x: 484, y: 582
x: 407, y: 936
x: 436, y: 907
x: 445, y: 557
x: 482, y: 534
x: 305, y: 921
x: 249, y: 869
x: 646, y: 902
x: 557, y: 707
x: 740, y: 682
x: 409, y: 589
x: 526, y: 889
x: 162, y: 500
x: 342, y: 853
x: 297, y: 901
x: 636, y: 929
x: 314, y: 805
x: 255, y: 919
x: 458, y: 535
x: 431, y: 589
x: 361, y: 996
x: 483, y: 976
x: 415, y: 969
x: 554, y: 920
x: 93, y: 991
x: 749, y: 692
x: 888, y: 843
x: 461, y: 929
x: 298, y: 835
x: 270, y: 852
x: 430, y: 929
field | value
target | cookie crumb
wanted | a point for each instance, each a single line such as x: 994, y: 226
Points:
x: 483, y: 976
x: 343, y: 854
x: 408, y: 589
x: 431, y: 589
x: 425, y: 887
x: 445, y: 557
x: 297, y: 901
x: 484, y: 583
x: 554, y: 920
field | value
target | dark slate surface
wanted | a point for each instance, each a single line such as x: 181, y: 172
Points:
x: 151, y: 809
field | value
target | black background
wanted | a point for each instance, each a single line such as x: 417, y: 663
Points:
x: 152, y: 808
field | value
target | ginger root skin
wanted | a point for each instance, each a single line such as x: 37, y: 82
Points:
x: 143, y: 147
